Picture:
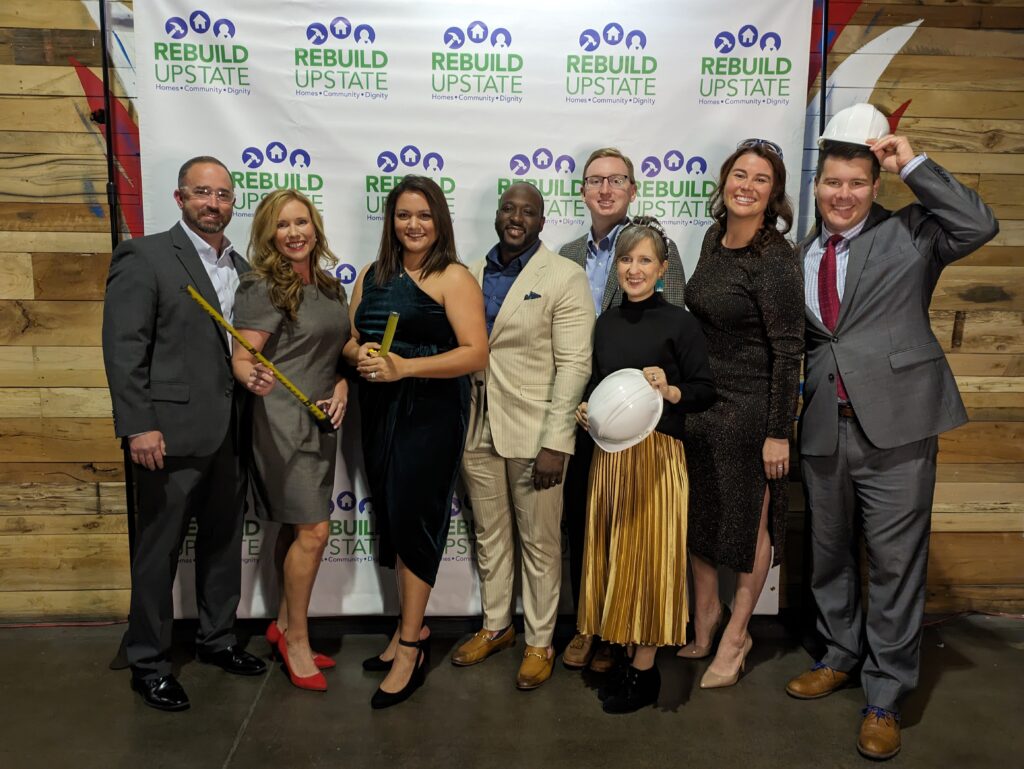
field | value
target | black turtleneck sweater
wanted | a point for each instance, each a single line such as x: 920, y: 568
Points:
x: 653, y: 332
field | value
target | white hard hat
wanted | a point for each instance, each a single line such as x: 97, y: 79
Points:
x: 623, y: 410
x: 855, y: 125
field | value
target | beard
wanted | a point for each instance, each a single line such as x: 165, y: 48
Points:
x: 207, y: 226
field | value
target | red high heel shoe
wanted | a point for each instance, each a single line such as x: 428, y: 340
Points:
x: 274, y: 635
x: 313, y: 683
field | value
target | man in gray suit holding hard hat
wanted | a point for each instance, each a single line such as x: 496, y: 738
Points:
x: 878, y: 392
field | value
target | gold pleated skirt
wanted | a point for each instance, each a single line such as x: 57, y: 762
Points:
x: 634, y: 562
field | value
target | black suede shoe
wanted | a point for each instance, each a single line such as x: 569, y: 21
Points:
x: 234, y: 660
x: 615, y: 679
x: 163, y: 693
x: 639, y: 689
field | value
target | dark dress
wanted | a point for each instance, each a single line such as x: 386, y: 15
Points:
x: 291, y: 466
x: 752, y: 310
x: 414, y: 430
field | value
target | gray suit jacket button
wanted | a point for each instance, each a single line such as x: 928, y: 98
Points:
x: 835, y: 339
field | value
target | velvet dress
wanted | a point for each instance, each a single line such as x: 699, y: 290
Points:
x: 413, y: 430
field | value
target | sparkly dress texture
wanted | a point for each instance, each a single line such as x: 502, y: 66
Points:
x: 751, y: 307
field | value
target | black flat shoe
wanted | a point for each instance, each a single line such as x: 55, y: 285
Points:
x: 234, y: 660
x: 382, y: 699
x: 375, y: 664
x: 163, y: 693
x: 639, y: 689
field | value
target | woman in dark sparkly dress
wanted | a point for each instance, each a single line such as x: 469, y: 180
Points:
x: 414, y: 403
x: 747, y: 292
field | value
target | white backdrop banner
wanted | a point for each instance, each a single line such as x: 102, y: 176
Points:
x: 341, y: 101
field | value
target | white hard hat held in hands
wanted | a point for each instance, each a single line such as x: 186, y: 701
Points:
x: 855, y: 125
x: 623, y: 410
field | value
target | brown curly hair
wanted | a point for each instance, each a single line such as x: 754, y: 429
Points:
x: 284, y: 284
x: 779, y: 208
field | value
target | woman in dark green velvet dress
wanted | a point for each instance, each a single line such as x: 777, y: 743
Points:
x: 414, y: 403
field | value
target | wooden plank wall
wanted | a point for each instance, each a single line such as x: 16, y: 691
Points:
x: 63, y: 550
x: 963, y: 73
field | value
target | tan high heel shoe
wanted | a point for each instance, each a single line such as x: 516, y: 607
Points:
x: 694, y: 651
x: 716, y: 681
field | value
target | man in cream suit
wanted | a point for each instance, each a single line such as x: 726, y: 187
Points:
x: 540, y: 317
x: 878, y: 392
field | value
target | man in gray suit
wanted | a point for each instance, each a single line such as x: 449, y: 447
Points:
x: 878, y: 392
x: 609, y: 186
x: 175, y: 405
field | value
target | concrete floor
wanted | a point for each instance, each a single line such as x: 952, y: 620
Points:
x: 63, y: 707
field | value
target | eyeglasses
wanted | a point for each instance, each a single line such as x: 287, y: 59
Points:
x: 618, y: 181
x: 223, y: 196
x: 751, y: 143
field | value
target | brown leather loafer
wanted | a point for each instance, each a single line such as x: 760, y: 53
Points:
x: 481, y: 646
x: 879, y: 734
x: 535, y: 668
x: 603, y: 659
x: 579, y: 651
x: 819, y: 681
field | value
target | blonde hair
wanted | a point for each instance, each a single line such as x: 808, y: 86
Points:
x: 610, y: 152
x: 284, y: 284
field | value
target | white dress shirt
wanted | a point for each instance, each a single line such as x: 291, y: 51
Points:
x: 220, y: 268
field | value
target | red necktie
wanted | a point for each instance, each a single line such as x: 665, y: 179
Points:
x: 828, y: 298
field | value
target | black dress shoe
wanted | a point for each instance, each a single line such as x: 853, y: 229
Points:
x: 382, y: 699
x: 375, y: 664
x: 163, y: 693
x: 234, y: 660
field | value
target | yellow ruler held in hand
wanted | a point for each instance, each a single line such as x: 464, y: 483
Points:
x: 323, y: 422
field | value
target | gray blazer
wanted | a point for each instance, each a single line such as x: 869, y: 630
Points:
x: 675, y: 276
x: 893, y: 367
x: 168, y: 363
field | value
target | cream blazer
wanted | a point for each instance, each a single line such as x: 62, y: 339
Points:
x: 540, y: 354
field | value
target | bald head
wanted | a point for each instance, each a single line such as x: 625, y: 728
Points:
x: 519, y: 220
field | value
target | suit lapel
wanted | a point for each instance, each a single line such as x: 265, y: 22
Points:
x: 612, y: 289
x: 804, y: 245
x: 477, y: 271
x: 189, y: 258
x: 860, y: 248
x: 524, y: 283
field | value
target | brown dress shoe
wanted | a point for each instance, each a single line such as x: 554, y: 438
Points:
x: 603, y: 660
x: 579, y: 651
x: 535, y: 668
x: 481, y: 646
x: 879, y: 734
x: 819, y: 681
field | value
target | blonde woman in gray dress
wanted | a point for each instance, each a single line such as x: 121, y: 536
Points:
x: 296, y: 313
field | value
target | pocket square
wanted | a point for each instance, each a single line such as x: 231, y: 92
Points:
x: 532, y: 295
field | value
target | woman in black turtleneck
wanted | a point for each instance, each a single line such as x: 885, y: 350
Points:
x: 634, y: 568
